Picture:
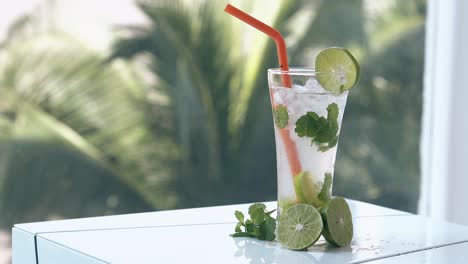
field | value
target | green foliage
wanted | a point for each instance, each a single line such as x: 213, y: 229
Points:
x: 308, y: 124
x: 45, y: 181
x: 325, y: 193
x: 201, y: 133
x: 92, y: 117
x: 281, y: 116
x: 200, y: 75
x: 323, y: 132
x: 310, y: 190
x: 380, y: 142
x: 261, y: 225
x: 239, y: 216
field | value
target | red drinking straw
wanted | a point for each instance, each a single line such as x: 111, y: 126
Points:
x: 290, y: 146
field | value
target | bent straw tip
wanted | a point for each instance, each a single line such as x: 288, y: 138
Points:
x: 229, y: 8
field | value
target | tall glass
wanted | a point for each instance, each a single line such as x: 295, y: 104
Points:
x: 305, y: 162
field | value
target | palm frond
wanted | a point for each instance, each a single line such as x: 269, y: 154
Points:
x: 220, y: 112
x: 105, y: 105
x: 335, y: 23
x: 188, y: 54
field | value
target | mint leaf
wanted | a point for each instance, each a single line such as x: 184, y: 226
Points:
x: 332, y: 110
x: 313, y: 115
x: 257, y: 212
x: 257, y: 215
x: 261, y: 225
x: 257, y: 232
x: 238, y: 228
x: 303, y: 125
x: 268, y: 228
x: 240, y: 217
x: 333, y: 142
x: 281, y: 116
x: 324, y: 135
x: 329, y: 145
x: 325, y: 193
x: 257, y: 205
x: 241, y: 234
x: 307, y: 125
x: 322, y: 131
x: 249, y: 226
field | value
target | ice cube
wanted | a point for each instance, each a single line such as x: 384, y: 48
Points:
x: 278, y: 97
x: 297, y: 87
x: 312, y: 85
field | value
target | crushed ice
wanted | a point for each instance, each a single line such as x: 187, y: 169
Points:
x: 311, y: 86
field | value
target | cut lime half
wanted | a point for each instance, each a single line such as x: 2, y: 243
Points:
x: 337, y: 69
x: 337, y: 222
x: 299, y: 227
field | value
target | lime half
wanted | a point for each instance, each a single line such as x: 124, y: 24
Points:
x: 337, y: 69
x: 299, y: 227
x: 337, y: 221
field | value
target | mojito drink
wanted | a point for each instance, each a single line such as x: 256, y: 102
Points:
x: 312, y: 117
x: 308, y: 109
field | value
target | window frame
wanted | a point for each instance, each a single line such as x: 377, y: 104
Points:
x: 444, y: 142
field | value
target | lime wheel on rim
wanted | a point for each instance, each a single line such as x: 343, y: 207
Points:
x: 337, y: 69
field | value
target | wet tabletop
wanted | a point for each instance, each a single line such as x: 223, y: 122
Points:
x: 202, y: 236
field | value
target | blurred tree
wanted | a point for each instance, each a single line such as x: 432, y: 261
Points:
x: 378, y: 159
x: 191, y: 54
x: 220, y: 108
x: 74, y: 136
x: 197, y: 130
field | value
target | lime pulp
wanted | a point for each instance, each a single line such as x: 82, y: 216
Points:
x: 299, y: 227
x: 337, y: 69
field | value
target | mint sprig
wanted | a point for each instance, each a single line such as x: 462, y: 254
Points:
x: 323, y: 131
x: 260, y: 225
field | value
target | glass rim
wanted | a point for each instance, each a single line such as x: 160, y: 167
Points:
x: 300, y: 71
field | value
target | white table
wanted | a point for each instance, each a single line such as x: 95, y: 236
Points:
x: 201, y: 235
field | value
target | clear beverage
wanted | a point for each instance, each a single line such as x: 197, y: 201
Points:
x: 312, y: 182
